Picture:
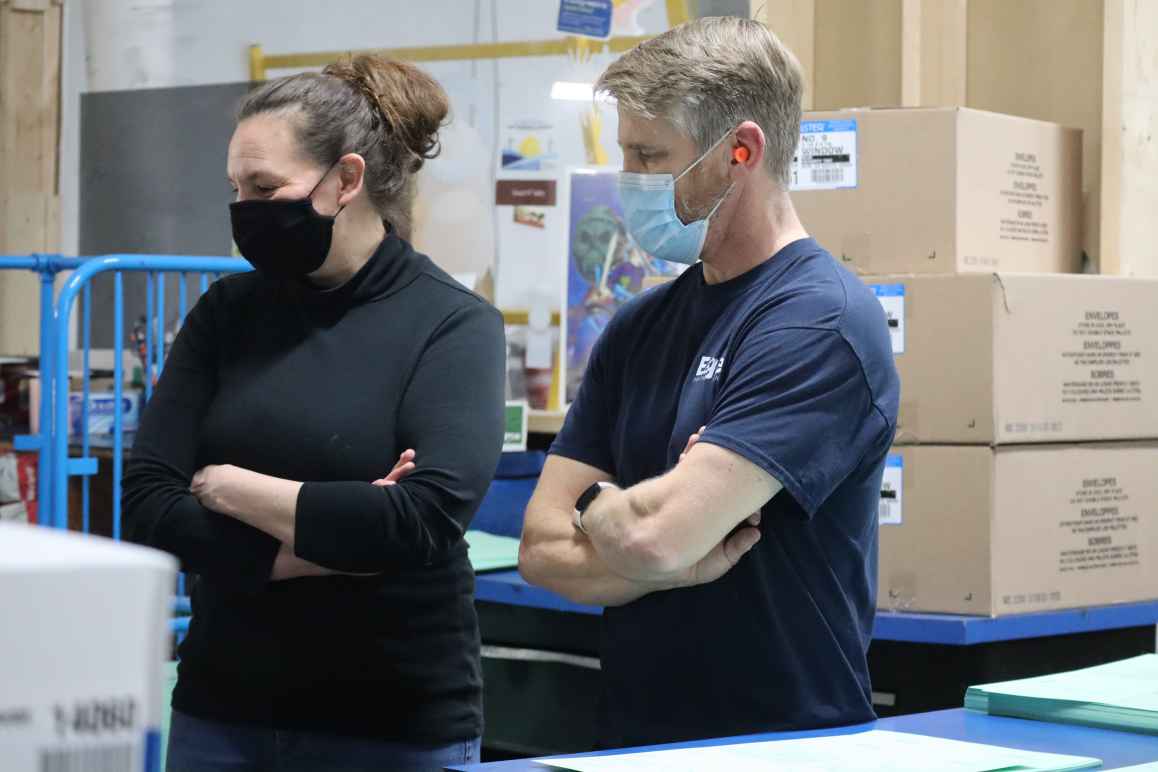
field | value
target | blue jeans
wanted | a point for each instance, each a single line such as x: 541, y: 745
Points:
x: 198, y: 745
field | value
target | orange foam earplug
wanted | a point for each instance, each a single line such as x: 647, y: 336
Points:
x: 740, y: 155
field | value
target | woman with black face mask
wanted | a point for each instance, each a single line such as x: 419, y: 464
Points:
x: 333, y: 620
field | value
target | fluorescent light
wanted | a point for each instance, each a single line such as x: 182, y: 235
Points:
x: 570, y: 91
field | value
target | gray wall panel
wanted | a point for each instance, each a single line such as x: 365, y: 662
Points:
x: 152, y: 180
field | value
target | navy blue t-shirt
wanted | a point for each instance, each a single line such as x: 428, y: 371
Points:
x: 790, y: 366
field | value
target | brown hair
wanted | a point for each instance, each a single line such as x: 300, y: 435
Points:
x: 708, y: 76
x: 385, y: 111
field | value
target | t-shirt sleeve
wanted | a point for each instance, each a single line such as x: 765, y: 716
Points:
x: 586, y: 434
x: 796, y: 403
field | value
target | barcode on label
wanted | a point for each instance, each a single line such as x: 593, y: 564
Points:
x: 827, y: 176
x: 106, y: 758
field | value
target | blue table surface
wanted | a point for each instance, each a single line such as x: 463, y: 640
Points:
x: 1115, y: 749
x: 508, y: 587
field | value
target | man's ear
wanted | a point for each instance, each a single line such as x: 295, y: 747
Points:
x: 748, y: 146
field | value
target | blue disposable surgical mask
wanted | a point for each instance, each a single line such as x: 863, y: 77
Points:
x: 649, y: 213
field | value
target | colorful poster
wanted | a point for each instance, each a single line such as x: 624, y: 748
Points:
x: 605, y: 269
x: 529, y: 145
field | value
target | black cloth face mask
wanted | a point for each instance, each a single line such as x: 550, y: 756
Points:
x: 283, y: 238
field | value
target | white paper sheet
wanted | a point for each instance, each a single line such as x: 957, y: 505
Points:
x: 873, y: 751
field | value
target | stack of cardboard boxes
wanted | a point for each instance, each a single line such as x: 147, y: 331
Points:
x: 1025, y: 472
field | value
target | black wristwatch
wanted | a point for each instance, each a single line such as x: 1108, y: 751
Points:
x: 585, y: 500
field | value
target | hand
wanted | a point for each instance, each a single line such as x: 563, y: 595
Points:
x: 287, y: 565
x: 212, y: 486
x: 723, y: 556
x: 692, y: 442
x: 404, y: 467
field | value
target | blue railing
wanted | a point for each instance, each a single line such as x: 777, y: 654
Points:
x: 52, y: 441
x: 155, y: 267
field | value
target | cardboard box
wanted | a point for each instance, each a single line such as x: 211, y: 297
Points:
x: 1018, y: 358
x: 994, y: 531
x: 101, y: 405
x: 98, y: 705
x: 102, y: 408
x: 940, y: 190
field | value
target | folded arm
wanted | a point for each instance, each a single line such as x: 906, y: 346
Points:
x: 647, y: 538
x: 553, y: 554
x: 666, y: 526
x: 455, y: 424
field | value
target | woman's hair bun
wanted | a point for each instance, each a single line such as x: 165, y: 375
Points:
x: 412, y: 106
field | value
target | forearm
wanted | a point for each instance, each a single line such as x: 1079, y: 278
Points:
x: 165, y: 516
x: 287, y: 565
x: 664, y: 527
x: 267, y: 503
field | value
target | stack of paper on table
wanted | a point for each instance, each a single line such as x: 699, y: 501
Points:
x: 489, y: 552
x: 1120, y: 695
x: 873, y: 751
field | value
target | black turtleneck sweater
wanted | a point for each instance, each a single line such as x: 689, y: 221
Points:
x: 328, y: 388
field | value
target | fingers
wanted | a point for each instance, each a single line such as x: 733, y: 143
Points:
x: 754, y: 519
x: 400, y: 471
x: 403, y: 467
x: 692, y: 441
x: 738, y: 544
x: 724, y: 556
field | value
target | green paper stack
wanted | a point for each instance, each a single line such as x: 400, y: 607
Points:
x: 492, y: 553
x: 1121, y: 695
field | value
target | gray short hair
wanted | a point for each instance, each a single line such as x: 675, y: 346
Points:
x: 709, y: 75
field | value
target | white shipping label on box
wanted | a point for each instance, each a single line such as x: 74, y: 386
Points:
x: 892, y: 300
x: 891, y: 510
x: 77, y: 734
x: 826, y: 156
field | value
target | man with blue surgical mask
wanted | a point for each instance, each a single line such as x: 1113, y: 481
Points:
x: 716, y: 483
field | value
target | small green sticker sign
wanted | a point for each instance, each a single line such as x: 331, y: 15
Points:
x: 515, y: 439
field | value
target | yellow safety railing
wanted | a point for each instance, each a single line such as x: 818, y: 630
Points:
x: 522, y: 317
x: 260, y: 63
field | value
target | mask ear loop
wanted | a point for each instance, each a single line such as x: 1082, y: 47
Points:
x: 310, y: 195
x: 693, y: 164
